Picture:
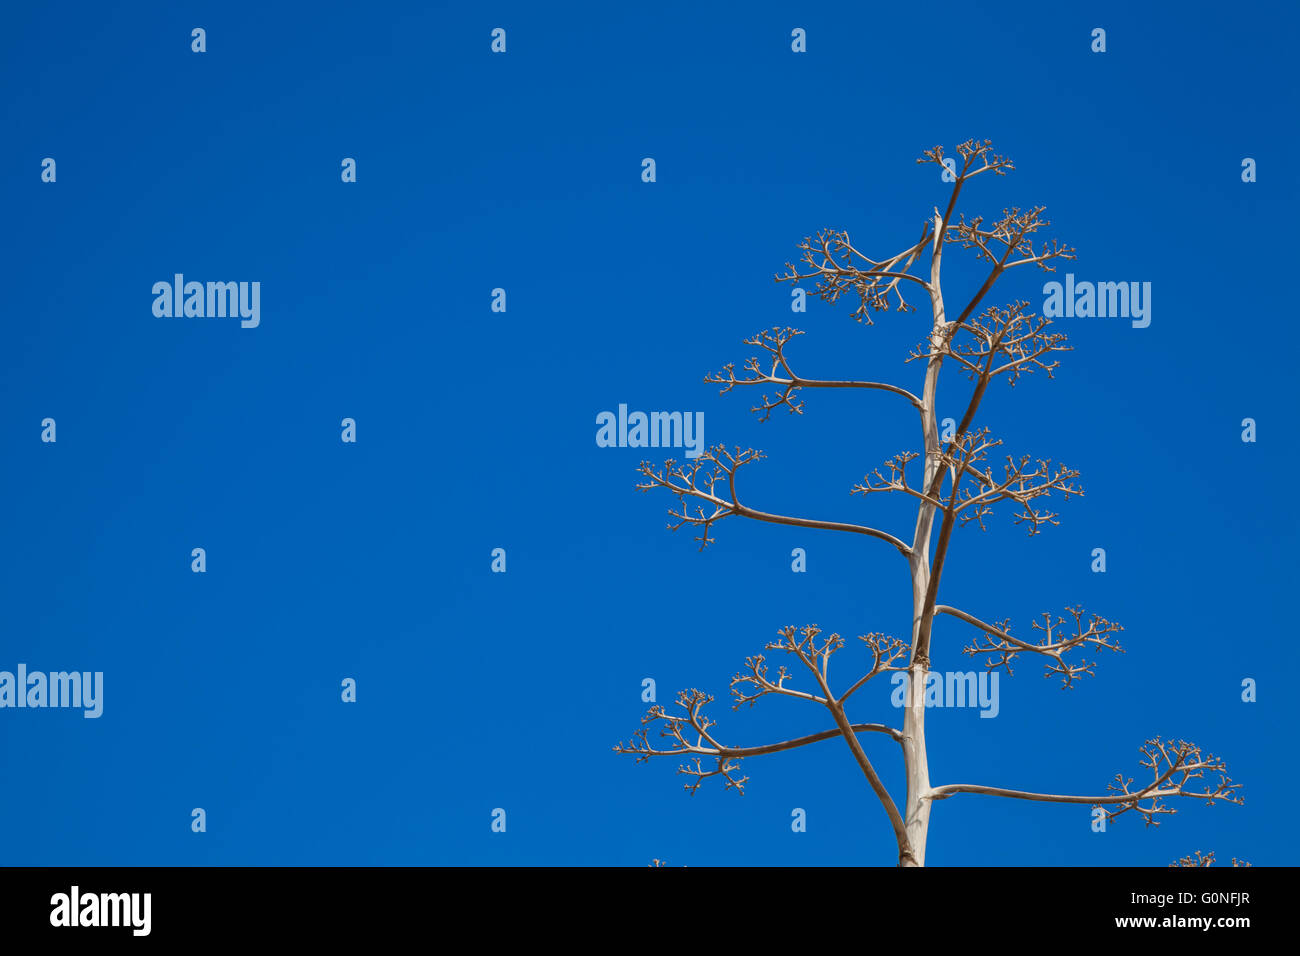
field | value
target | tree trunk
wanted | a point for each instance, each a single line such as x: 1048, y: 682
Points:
x: 916, y: 814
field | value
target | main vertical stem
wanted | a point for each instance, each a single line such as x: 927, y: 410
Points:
x: 916, y: 814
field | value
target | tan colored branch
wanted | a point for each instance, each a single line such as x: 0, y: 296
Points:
x: 696, y: 483
x: 773, y: 341
x: 830, y: 258
x: 1002, y: 648
x: 1174, y: 766
x: 1203, y: 859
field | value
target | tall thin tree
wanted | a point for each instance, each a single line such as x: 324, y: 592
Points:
x: 958, y: 485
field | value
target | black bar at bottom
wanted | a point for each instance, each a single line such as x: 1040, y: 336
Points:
x: 337, y: 905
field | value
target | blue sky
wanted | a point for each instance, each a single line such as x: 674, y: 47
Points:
x: 476, y: 429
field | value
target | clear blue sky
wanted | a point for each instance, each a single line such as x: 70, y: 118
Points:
x: 476, y: 429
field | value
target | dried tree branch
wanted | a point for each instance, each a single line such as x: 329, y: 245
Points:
x: 833, y: 261
x: 815, y: 655
x: 814, y: 652
x: 1203, y: 859
x: 1007, y: 342
x: 1002, y: 648
x: 775, y: 370
x: 708, y: 483
x: 974, y: 491
x: 1174, y: 766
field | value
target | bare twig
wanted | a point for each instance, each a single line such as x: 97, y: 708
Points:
x: 775, y: 370
x: 708, y: 485
x: 1177, y: 767
x: 1001, y: 648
